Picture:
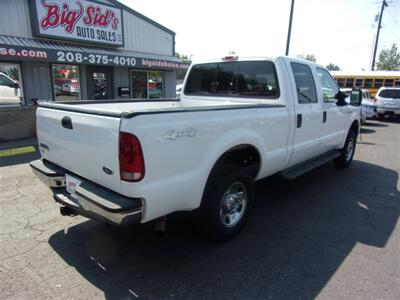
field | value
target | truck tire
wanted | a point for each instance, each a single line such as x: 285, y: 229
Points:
x: 347, y: 152
x: 226, y: 202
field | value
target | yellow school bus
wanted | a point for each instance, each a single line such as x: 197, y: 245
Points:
x: 371, y: 81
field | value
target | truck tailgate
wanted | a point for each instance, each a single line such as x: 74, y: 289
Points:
x: 85, y: 144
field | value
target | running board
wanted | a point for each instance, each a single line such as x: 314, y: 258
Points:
x: 300, y: 169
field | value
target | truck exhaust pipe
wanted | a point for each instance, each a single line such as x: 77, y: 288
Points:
x: 159, y: 228
x: 66, y: 211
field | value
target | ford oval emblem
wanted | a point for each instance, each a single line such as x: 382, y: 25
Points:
x: 108, y: 171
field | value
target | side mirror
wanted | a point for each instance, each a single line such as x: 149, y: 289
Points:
x: 341, y: 99
x: 356, y: 97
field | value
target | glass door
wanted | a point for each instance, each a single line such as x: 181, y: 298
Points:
x: 139, y: 86
x: 99, y: 83
x: 147, y: 84
x: 155, y: 84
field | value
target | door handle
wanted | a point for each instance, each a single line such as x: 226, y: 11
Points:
x: 299, y: 120
x: 324, y: 115
x: 66, y: 122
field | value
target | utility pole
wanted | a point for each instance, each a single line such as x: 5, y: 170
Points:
x: 377, y: 34
x: 290, y: 28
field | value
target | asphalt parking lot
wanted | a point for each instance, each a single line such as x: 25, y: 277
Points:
x: 330, y: 234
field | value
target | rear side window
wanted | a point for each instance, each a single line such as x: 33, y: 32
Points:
x: 393, y: 94
x: 248, y: 79
x: 258, y: 79
x: 305, y: 85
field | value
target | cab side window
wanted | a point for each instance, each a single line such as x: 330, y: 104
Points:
x: 305, y: 85
x: 328, y: 85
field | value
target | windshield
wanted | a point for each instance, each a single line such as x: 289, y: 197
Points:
x: 393, y: 94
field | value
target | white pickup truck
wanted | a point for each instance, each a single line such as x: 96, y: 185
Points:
x: 237, y: 121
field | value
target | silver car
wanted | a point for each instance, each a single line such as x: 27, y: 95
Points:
x: 368, y: 107
x: 387, y: 101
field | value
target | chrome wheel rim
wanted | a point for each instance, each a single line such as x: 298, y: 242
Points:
x: 349, y: 149
x: 233, y: 204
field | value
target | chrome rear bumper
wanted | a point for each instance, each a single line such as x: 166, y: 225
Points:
x: 91, y: 200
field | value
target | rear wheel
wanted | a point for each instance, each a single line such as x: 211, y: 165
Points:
x: 347, y: 152
x: 381, y: 116
x: 227, y: 199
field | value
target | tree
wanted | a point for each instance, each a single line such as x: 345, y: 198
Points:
x: 310, y: 57
x: 333, y: 67
x: 180, y: 74
x: 389, y: 59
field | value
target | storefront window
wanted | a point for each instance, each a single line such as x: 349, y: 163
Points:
x: 66, y: 82
x: 10, y: 84
x: 155, y: 84
x: 147, y: 84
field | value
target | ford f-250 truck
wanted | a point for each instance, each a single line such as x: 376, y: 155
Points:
x: 237, y: 121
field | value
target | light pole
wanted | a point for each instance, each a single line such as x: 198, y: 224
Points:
x: 377, y: 34
x: 290, y: 28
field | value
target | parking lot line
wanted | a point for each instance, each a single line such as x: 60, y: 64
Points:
x: 17, y: 151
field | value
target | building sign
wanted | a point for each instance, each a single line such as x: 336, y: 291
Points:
x: 17, y: 53
x: 79, y: 20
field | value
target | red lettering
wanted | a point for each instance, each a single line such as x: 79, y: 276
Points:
x: 102, y: 20
x: 96, y: 17
x: 115, y: 21
x: 88, y: 19
x: 52, y: 16
x: 61, y: 16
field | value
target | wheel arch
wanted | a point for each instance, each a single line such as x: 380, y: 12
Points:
x: 355, y: 125
x: 244, y: 155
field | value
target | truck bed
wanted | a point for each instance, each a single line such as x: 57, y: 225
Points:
x: 117, y: 108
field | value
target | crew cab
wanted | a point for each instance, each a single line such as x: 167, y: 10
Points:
x: 237, y: 121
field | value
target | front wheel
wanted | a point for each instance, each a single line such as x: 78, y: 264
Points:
x: 227, y: 199
x: 347, y: 152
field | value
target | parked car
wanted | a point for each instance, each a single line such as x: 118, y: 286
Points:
x: 70, y: 87
x: 133, y: 162
x: 368, y: 107
x: 10, y: 92
x: 387, y: 100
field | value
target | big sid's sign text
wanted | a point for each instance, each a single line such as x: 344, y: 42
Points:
x: 82, y: 20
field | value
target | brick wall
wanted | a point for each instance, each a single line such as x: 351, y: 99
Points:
x: 17, y: 123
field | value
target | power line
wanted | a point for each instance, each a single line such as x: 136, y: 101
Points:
x: 390, y: 30
x: 394, y: 19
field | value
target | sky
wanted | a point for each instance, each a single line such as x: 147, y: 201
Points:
x: 335, y: 31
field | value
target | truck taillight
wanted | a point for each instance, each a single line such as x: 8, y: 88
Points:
x: 131, y: 160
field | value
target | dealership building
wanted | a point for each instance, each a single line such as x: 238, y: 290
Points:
x: 58, y: 50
